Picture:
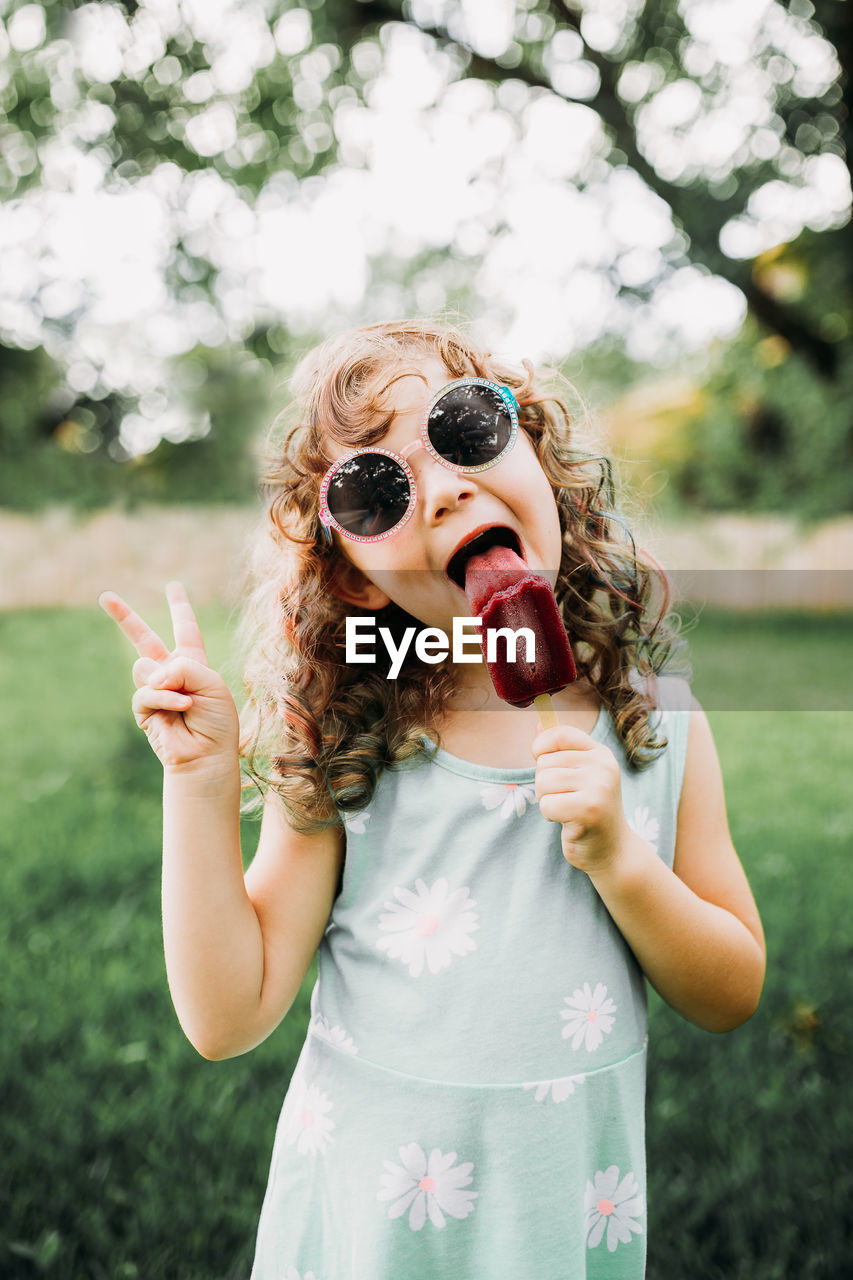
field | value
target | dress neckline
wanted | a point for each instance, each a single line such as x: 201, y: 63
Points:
x: 491, y: 773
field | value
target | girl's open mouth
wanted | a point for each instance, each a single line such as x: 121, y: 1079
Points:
x: 498, y: 535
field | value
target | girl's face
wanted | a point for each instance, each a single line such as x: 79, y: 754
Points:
x: 409, y: 568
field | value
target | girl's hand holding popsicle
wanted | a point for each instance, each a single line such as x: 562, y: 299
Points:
x: 578, y: 780
x: 185, y: 708
x: 578, y: 783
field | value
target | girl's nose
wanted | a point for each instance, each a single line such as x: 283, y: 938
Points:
x: 442, y: 490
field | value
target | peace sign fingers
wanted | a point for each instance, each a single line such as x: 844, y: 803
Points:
x: 185, y: 709
x: 146, y: 642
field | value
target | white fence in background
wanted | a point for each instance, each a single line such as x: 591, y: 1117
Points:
x: 61, y: 558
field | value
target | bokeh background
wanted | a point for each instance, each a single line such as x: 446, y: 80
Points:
x: 651, y: 195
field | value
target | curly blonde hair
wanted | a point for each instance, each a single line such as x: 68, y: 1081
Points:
x: 320, y: 731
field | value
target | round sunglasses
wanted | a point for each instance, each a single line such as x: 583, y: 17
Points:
x: 469, y: 426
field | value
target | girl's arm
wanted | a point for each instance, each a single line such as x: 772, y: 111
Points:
x: 695, y: 930
x: 291, y: 884
x: 236, y: 948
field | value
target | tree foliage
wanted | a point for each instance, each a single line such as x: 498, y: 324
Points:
x: 167, y: 89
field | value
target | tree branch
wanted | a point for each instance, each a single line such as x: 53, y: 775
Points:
x: 686, y: 202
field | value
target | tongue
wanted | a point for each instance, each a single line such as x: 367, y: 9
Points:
x: 492, y: 571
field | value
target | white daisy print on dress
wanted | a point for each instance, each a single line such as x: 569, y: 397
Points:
x: 335, y: 1036
x: 512, y: 797
x: 306, y: 1118
x: 613, y: 1207
x: 428, y: 1188
x: 356, y: 822
x: 645, y: 826
x: 589, y: 1017
x: 429, y: 926
x: 558, y: 1089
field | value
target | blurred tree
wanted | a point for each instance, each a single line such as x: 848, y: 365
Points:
x: 138, y: 86
x: 56, y: 446
x: 627, y: 55
x: 768, y: 432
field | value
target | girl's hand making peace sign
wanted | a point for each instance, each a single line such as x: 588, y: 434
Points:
x: 184, y: 707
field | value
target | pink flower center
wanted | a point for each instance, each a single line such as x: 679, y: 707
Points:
x: 592, y: 1015
x: 426, y: 925
x: 427, y: 1184
x: 606, y: 1207
x: 307, y: 1118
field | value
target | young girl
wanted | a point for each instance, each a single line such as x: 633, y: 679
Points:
x: 486, y: 896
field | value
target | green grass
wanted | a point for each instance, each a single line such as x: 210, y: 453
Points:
x: 749, y: 1133
x: 126, y: 1155
x: 771, y: 661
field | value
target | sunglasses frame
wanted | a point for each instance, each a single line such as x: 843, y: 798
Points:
x: 328, y: 521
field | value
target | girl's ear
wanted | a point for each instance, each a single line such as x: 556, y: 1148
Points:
x: 350, y: 585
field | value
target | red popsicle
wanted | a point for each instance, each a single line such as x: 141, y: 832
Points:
x: 505, y: 593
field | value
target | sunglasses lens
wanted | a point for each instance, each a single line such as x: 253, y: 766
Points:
x: 470, y: 426
x: 368, y: 494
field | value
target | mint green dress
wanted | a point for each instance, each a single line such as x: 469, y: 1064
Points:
x: 469, y: 1101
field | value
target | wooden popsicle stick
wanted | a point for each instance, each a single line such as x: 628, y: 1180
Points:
x: 545, y: 708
